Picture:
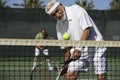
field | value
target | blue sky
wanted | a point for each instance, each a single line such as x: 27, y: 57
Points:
x: 99, y: 4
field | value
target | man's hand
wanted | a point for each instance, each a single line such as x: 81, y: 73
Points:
x: 76, y: 54
x: 40, y: 47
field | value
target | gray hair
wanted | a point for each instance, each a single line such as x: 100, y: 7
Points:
x: 48, y: 6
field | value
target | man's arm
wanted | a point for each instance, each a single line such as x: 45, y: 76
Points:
x: 40, y: 47
x: 76, y: 54
x: 67, y: 60
x: 67, y: 54
x: 86, y: 34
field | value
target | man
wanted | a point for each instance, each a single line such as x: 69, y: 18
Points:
x: 75, y: 21
x: 38, y: 49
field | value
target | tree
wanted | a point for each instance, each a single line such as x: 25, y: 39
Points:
x: 85, y: 5
x: 115, y: 5
x: 3, y: 4
x: 31, y: 4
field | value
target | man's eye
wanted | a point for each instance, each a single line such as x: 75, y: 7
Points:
x: 53, y: 14
x: 56, y: 10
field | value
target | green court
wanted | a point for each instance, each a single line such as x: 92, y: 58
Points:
x: 20, y: 70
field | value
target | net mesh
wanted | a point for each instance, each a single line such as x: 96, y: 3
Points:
x: 16, y: 59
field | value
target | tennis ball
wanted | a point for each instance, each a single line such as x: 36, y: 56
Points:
x: 66, y: 36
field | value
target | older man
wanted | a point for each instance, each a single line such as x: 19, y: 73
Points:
x: 75, y: 21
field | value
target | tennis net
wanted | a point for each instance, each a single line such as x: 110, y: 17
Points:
x: 16, y: 58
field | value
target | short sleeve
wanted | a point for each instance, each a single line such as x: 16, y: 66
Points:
x: 84, y: 18
x: 38, y: 36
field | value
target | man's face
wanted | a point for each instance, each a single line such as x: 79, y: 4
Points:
x: 59, y: 13
x: 43, y: 32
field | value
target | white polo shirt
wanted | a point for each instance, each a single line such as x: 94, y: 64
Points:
x: 77, y: 21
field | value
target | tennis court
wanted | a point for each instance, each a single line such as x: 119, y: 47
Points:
x: 20, y: 70
x: 16, y: 57
x: 14, y: 66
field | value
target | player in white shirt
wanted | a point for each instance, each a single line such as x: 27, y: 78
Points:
x: 75, y: 21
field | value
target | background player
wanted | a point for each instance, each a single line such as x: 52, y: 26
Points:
x: 42, y: 49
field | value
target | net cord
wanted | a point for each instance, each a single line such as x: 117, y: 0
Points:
x: 33, y: 42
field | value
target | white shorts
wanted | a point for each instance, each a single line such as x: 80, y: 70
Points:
x: 98, y: 61
x: 37, y: 52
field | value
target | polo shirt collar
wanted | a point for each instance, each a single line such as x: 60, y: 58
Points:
x: 68, y: 14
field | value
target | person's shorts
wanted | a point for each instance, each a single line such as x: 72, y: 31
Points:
x: 37, y: 52
x: 98, y: 62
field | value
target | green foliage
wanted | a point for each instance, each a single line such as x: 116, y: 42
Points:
x: 3, y: 4
x: 115, y: 5
x: 85, y: 4
x: 31, y: 4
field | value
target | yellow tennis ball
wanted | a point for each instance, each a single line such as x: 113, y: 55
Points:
x: 66, y: 36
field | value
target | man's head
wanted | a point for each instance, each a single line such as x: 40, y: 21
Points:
x: 43, y: 31
x: 56, y: 10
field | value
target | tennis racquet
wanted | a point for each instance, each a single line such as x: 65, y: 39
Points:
x: 61, y: 72
x: 31, y: 75
x: 58, y: 76
x: 64, y: 69
x: 32, y: 71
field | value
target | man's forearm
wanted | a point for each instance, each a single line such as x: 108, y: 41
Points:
x: 40, y: 47
x: 85, y: 34
x: 67, y: 54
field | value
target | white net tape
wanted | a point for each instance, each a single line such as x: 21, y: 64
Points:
x: 33, y: 42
